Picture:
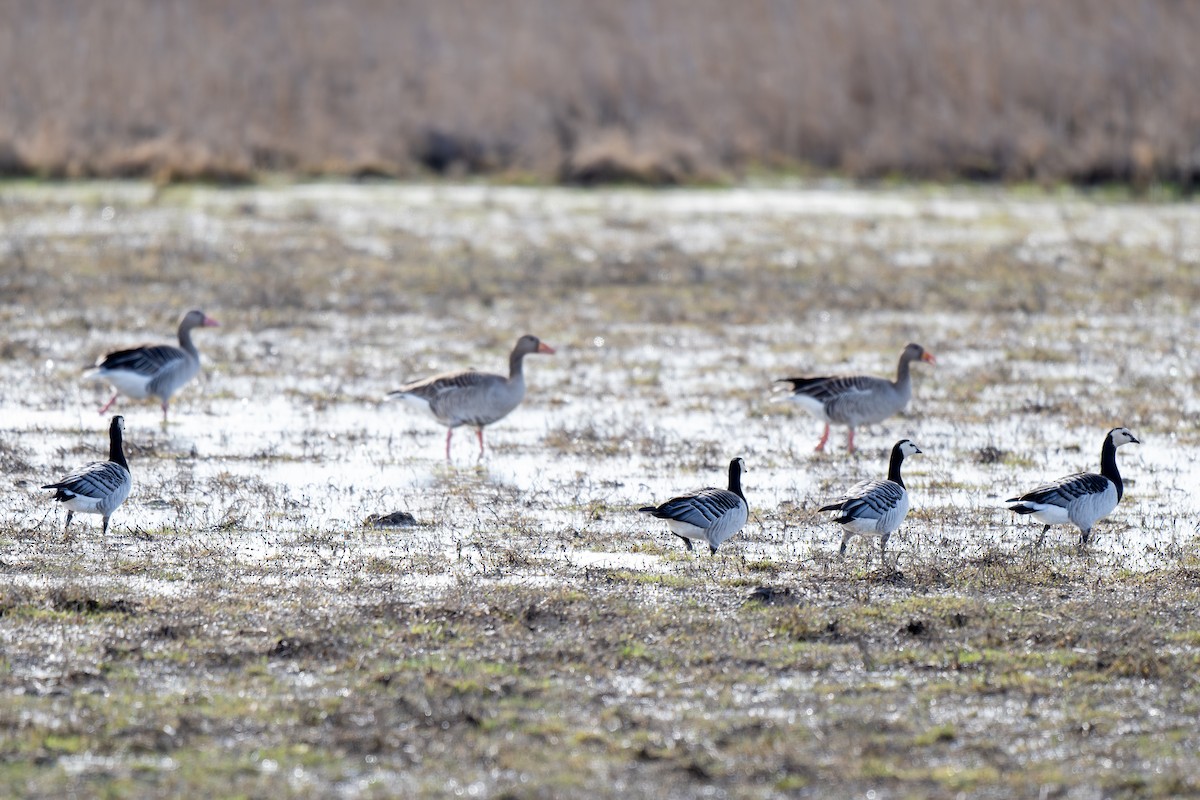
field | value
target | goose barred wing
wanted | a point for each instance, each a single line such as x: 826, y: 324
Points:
x: 829, y: 389
x: 701, y: 508
x: 870, y: 499
x: 1065, y: 490
x: 143, y: 360
x: 433, y: 387
x: 99, y: 479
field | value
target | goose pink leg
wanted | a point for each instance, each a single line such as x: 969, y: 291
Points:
x: 109, y: 404
x: 850, y: 441
x: 449, y: 433
x: 480, y: 432
x: 824, y: 439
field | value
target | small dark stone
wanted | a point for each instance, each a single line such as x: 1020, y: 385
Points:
x: 396, y: 519
x: 990, y: 455
x: 286, y: 648
x: 771, y: 596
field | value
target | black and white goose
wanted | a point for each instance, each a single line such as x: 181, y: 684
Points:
x: 1082, y: 499
x: 154, y: 370
x: 473, y: 398
x: 876, y: 507
x: 101, y: 486
x: 855, y: 400
x: 708, y: 515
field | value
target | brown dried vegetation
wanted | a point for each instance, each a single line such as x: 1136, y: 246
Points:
x: 655, y: 92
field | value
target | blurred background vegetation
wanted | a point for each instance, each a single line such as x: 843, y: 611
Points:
x: 654, y: 91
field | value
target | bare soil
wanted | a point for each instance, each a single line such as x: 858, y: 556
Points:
x: 243, y: 632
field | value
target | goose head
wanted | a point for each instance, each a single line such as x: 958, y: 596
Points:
x: 1120, y: 436
x: 914, y: 352
x: 529, y: 343
x: 197, y: 319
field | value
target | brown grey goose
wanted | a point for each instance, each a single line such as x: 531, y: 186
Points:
x: 473, y: 398
x: 1082, y: 499
x: 855, y: 400
x: 707, y: 515
x: 154, y: 370
x: 101, y: 486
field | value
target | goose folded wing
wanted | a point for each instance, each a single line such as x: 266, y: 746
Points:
x: 872, y: 499
x: 438, y: 385
x: 143, y: 360
x: 1066, y: 490
x: 836, y: 388
x: 700, y: 509
x: 98, y: 479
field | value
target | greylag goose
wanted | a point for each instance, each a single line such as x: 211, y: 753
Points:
x: 855, y: 400
x: 1082, y: 499
x: 473, y: 398
x: 101, y: 486
x: 709, y: 515
x: 154, y: 370
x: 876, y: 507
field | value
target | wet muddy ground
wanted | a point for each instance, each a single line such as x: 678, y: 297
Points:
x: 242, y: 631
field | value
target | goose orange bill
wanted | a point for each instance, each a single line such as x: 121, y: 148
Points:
x: 545, y: 348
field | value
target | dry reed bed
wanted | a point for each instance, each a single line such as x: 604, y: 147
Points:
x: 668, y: 91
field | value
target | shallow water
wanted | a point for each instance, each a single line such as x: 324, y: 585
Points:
x: 286, y: 443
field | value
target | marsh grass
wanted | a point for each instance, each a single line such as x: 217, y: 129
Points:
x: 1093, y: 91
x: 241, y: 631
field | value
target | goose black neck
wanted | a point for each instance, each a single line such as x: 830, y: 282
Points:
x: 1108, y: 465
x: 735, y: 479
x: 894, y: 465
x: 116, y: 453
